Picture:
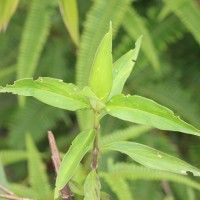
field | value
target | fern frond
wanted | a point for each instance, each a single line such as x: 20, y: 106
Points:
x: 22, y: 191
x: 12, y: 156
x: 125, y: 134
x: 188, y: 13
x: 34, y: 36
x: 134, y: 172
x: 36, y: 118
x: 96, y: 25
x: 37, y: 174
x: 135, y: 26
x: 119, y: 186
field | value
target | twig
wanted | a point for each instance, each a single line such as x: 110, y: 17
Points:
x: 167, y: 188
x: 7, y: 196
x: 65, y: 192
x: 7, y: 190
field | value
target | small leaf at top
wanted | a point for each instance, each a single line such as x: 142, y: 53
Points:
x: 92, y: 186
x: 147, y: 112
x: 50, y: 91
x: 153, y: 158
x: 123, y: 67
x: 100, y: 80
x: 80, y: 146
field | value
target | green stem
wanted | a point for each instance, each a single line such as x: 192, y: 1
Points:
x: 95, y: 150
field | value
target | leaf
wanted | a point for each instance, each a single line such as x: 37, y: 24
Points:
x: 153, y: 158
x: 69, y: 13
x: 123, y: 67
x: 92, y: 186
x: 80, y: 146
x: 147, y: 112
x: 7, y: 9
x: 50, y: 91
x: 100, y: 80
x: 105, y: 196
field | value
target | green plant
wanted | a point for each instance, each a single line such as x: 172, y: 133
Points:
x: 103, y: 97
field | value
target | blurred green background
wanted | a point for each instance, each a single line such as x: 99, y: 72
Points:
x: 37, y: 43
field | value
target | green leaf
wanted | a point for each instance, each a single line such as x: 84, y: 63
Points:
x: 50, y: 91
x: 101, y: 77
x: 147, y: 112
x: 153, y: 158
x: 92, y: 186
x: 123, y: 67
x: 69, y: 13
x: 80, y: 146
x: 7, y: 9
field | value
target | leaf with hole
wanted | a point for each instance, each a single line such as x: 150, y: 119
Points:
x: 147, y: 112
x: 153, y: 158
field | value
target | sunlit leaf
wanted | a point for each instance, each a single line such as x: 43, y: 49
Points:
x: 153, y: 158
x: 92, y: 186
x: 80, y: 146
x: 147, y: 112
x: 50, y: 91
x: 123, y: 67
x: 7, y: 8
x: 69, y: 11
x: 101, y: 78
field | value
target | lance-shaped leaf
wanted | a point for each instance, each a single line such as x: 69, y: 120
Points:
x: 123, y: 67
x: 92, y: 186
x: 80, y: 146
x: 69, y: 11
x: 7, y: 8
x: 50, y: 91
x: 153, y: 158
x: 101, y: 77
x: 147, y: 112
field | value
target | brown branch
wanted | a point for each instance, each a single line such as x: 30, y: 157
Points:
x: 7, y: 191
x: 7, y: 196
x: 65, y: 192
x: 166, y: 187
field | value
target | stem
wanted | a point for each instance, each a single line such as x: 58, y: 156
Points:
x: 95, y: 151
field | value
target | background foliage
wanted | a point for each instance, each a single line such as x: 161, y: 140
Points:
x: 36, y: 43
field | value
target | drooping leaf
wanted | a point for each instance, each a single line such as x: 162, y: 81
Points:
x: 123, y: 67
x: 69, y: 11
x: 153, y: 158
x: 50, y: 91
x: 7, y: 9
x: 80, y: 146
x: 147, y: 112
x: 37, y: 174
x: 92, y: 186
x: 101, y: 78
